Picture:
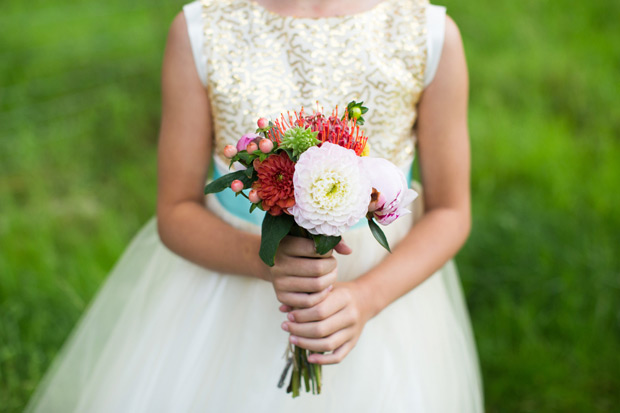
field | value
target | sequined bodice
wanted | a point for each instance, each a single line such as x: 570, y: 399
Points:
x: 261, y: 64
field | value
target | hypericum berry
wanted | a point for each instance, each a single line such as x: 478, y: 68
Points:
x: 262, y: 123
x: 236, y: 185
x: 253, y: 195
x: 230, y: 151
x: 355, y: 112
x: 245, y: 140
x: 265, y: 145
x: 252, y: 147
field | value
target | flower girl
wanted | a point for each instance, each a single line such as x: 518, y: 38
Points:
x: 191, y: 319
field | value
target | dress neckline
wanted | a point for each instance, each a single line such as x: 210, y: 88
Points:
x: 377, y: 7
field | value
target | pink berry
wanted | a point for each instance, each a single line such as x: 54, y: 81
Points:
x: 253, y: 195
x: 230, y: 151
x: 236, y: 185
x: 262, y: 123
x: 265, y: 145
x: 245, y: 140
x: 252, y: 147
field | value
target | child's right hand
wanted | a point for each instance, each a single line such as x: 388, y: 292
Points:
x: 302, y: 278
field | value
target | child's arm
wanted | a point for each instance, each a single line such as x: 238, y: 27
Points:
x: 336, y: 323
x: 184, y: 225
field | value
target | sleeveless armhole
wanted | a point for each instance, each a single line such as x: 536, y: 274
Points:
x: 193, y: 17
x: 436, y: 24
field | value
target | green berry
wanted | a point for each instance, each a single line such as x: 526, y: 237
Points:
x: 355, y: 112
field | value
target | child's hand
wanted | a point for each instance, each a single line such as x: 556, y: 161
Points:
x: 334, y: 325
x: 301, y: 277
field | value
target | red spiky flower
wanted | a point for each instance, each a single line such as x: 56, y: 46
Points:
x: 275, y: 183
x: 343, y: 131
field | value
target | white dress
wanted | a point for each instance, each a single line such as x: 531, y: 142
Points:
x: 166, y: 335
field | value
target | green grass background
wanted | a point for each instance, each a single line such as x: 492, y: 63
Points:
x: 79, y: 112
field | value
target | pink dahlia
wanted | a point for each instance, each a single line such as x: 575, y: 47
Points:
x: 332, y: 191
x: 275, y: 183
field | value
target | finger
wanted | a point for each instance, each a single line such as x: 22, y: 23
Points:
x: 332, y: 358
x: 285, y: 308
x: 302, y: 300
x: 342, y: 248
x: 300, y: 247
x: 306, y: 284
x: 305, y: 267
x: 319, y: 329
x: 325, y: 344
x: 321, y: 311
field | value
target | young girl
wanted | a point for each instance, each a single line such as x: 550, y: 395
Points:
x: 190, y: 318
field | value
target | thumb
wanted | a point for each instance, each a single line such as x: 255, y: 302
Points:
x: 342, y: 248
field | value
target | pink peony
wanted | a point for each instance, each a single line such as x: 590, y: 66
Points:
x: 393, y: 193
x: 242, y: 144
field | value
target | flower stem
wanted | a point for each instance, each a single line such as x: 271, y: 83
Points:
x: 297, y: 372
x: 317, y: 374
x: 305, y: 369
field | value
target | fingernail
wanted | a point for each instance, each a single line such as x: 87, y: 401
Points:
x: 293, y: 340
x: 291, y: 317
x: 331, y: 287
x: 285, y: 326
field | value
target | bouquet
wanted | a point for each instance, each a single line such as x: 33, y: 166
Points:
x: 312, y: 175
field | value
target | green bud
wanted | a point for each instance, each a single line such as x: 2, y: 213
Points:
x: 299, y: 140
x: 355, y: 112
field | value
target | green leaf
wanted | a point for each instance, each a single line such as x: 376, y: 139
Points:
x: 289, y: 152
x: 377, y: 232
x: 244, y: 157
x: 224, y: 182
x: 249, y: 171
x: 274, y: 228
x: 253, y: 207
x: 324, y: 243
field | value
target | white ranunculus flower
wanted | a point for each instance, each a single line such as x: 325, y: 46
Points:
x: 391, y: 184
x: 331, y: 190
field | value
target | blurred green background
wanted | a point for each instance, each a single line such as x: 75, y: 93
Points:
x: 79, y: 113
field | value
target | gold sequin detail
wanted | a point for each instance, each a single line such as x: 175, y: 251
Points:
x: 261, y: 64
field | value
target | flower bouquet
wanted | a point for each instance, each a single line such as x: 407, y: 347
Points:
x: 311, y: 174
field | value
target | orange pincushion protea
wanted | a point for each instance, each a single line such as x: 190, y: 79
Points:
x: 275, y: 183
x: 343, y: 131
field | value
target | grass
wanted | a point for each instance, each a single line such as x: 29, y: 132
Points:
x: 79, y: 112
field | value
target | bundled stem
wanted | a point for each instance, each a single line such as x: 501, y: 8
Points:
x: 311, y: 373
x: 302, y: 368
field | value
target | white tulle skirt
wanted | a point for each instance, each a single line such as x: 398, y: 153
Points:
x: 165, y: 335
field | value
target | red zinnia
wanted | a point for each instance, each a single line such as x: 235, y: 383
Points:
x: 275, y: 183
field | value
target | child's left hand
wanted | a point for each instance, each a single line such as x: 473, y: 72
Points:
x: 334, y: 325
